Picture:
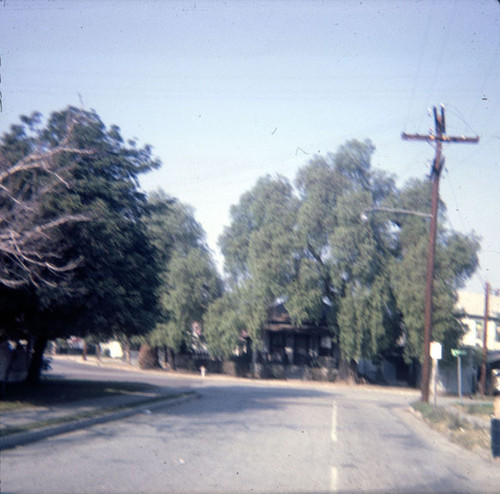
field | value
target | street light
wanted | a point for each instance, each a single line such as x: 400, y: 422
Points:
x: 431, y: 253
x: 364, y: 216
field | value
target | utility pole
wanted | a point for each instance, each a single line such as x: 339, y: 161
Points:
x: 485, y: 338
x: 439, y: 136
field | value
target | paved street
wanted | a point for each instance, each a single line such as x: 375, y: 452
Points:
x: 245, y: 436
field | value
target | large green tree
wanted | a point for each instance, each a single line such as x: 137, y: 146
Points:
x: 309, y: 248
x: 259, y: 248
x: 224, y: 325
x: 112, y: 288
x: 189, y: 277
x: 348, y: 256
x: 456, y: 261
x: 31, y: 169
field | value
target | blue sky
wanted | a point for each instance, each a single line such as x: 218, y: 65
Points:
x: 229, y: 91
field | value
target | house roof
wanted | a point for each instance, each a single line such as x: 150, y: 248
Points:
x: 279, y: 320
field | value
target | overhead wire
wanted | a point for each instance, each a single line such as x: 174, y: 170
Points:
x: 493, y: 64
x: 458, y: 113
x: 443, y: 44
x: 423, y: 49
x: 480, y: 274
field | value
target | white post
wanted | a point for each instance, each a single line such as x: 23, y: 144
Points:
x: 436, y: 353
x: 459, y: 376
x: 434, y: 373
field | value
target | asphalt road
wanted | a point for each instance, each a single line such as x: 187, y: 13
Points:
x: 246, y: 436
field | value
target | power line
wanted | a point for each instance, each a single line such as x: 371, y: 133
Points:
x: 459, y: 114
x: 423, y: 49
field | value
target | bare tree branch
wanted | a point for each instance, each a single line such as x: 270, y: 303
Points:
x: 29, y: 249
x: 40, y: 161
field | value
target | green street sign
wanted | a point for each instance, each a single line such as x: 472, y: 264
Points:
x: 458, y: 353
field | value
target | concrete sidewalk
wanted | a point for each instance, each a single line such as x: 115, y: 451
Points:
x: 32, y: 424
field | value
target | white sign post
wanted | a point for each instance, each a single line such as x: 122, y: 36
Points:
x: 458, y: 354
x: 436, y: 352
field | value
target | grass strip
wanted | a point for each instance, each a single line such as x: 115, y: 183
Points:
x: 56, y: 391
x: 480, y: 409
x: 455, y: 427
x: 87, y: 414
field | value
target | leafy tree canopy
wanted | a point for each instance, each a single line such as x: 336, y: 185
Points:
x: 308, y: 247
x: 31, y: 169
x: 189, y: 278
x: 86, y: 171
x: 259, y: 248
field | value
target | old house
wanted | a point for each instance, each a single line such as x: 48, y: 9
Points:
x: 291, y: 350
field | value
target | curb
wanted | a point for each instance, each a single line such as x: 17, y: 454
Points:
x: 20, y: 439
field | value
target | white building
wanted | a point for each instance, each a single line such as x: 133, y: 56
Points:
x: 473, y: 306
x: 114, y: 349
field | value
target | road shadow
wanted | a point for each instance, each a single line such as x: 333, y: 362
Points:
x: 228, y: 407
x: 232, y: 407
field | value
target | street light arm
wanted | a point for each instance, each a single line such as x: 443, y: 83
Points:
x: 393, y: 210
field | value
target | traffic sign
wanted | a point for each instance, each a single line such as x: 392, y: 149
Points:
x: 458, y: 352
x: 436, y: 350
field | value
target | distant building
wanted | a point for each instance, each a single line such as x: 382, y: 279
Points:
x: 472, y: 305
x: 112, y: 348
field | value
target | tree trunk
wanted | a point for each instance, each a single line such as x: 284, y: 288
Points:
x: 128, y: 357
x: 35, y: 368
x: 348, y: 371
x: 84, y: 350
x: 253, y: 349
x: 169, y: 353
x: 12, y: 358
